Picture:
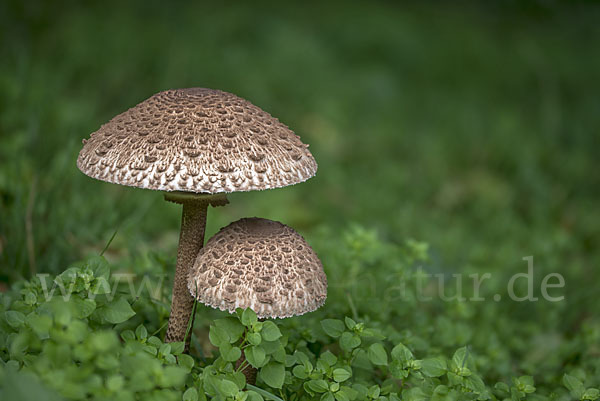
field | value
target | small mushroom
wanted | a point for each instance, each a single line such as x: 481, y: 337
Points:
x: 197, y: 145
x: 259, y: 264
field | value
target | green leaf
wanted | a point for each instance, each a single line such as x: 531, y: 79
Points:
x: 454, y: 379
x: 249, y: 317
x: 574, y: 385
x: 232, y: 326
x: 239, y: 379
x: 341, y: 375
x: 40, y: 324
x: 374, y: 391
x: 349, y: 341
x: 30, y: 298
x: 141, y: 332
x: 526, y: 380
x: 460, y: 357
x: 502, y: 387
x: 398, y: 370
x: 229, y: 353
x: 273, y: 374
x: 254, y: 396
x: 279, y: 355
x: 401, y: 353
x: 228, y: 388
x: 333, y: 327
x: 128, y: 335
x: 100, y: 286
x: 372, y: 333
x: 191, y: 394
x: 300, y: 372
x: 218, y: 336
x: 150, y: 349
x: 443, y: 393
x: 99, y: 267
x: 155, y: 341
x: 115, y: 382
x: 591, y: 394
x: 185, y: 361
x: 68, y: 276
x: 24, y: 386
x: 177, y: 347
x: 264, y: 393
x: 165, y: 349
x: 101, y: 341
x: 318, y: 386
x: 361, y: 390
x: 433, y: 367
x: 15, y: 319
x: 328, y: 396
x: 83, y: 307
x: 116, y: 311
x: 271, y: 347
x: 328, y: 358
x: 346, y: 393
x: 62, y: 312
x: 377, y: 355
x: 255, y: 355
x: 349, y: 323
x: 254, y: 338
x: 414, y: 394
x: 270, y: 331
x: 475, y: 384
x: 301, y: 357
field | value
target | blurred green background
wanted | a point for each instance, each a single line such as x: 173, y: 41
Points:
x: 472, y: 127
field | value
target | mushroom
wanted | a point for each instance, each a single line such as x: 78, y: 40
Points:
x: 196, y: 145
x: 259, y: 264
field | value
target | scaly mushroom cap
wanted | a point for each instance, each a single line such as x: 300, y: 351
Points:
x: 260, y: 264
x: 196, y: 140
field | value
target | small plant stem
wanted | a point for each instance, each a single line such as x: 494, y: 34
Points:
x: 159, y: 329
x: 248, y: 370
x: 352, y: 306
x: 188, y: 332
x: 242, y: 366
x: 29, y: 227
x: 109, y: 242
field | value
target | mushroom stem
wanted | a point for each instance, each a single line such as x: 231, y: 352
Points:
x: 191, y: 240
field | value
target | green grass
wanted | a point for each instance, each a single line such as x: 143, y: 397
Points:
x: 473, y: 128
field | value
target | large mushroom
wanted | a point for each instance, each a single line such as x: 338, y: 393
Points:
x: 259, y: 264
x: 196, y: 145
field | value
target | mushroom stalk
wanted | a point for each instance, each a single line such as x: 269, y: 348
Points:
x: 191, y: 240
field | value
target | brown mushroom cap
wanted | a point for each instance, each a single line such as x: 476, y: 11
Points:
x: 196, y: 140
x: 261, y: 264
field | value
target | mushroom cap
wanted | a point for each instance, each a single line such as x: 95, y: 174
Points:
x: 259, y: 264
x: 196, y: 140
